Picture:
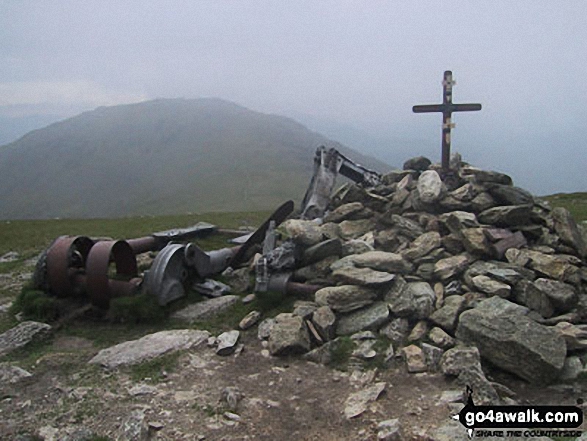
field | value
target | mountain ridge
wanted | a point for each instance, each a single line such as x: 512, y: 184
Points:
x: 163, y: 156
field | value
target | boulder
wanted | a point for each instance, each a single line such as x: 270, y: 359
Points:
x: 226, y: 342
x: 289, y: 335
x: 450, y: 267
x: 513, y: 342
x: 415, y: 359
x: 419, y: 163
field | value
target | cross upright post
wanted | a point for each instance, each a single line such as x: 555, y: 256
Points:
x: 446, y: 108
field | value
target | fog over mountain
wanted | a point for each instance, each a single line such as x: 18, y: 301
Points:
x: 160, y: 157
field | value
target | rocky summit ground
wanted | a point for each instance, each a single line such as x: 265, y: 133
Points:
x: 195, y: 394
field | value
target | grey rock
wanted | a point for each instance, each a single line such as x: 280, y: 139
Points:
x: 322, y: 250
x: 507, y: 216
x: 21, y: 335
x: 352, y: 229
x: 264, y: 328
x: 553, y: 266
x: 316, y: 270
x: 389, y: 430
x: 249, y: 320
x: 487, y: 176
x: 149, y: 347
x: 323, y: 354
x: 324, y: 320
x: 396, y: 330
x: 562, y: 295
x: 441, y: 338
x: 482, y: 202
x: 304, y: 308
x: 475, y: 241
x: 226, y: 342
x: 459, y: 359
x: 344, y: 212
x: 422, y: 246
x: 357, y: 402
x: 362, y: 276
x: 446, y: 317
x: 456, y: 221
x: 369, y: 318
x: 450, y: 267
x: 406, y: 226
x: 514, y: 342
x: 575, y: 336
x: 364, y: 350
x: 449, y: 431
x: 142, y: 389
x: 419, y: 331
x: 238, y: 279
x: 432, y: 356
x: 419, y: 163
x: 571, y: 369
x: 566, y: 227
x: 491, y: 287
x: 345, y: 298
x: 10, y: 256
x: 289, y: 335
x: 134, y: 427
x: 534, y: 298
x: 206, y: 309
x: 303, y: 232
x: 430, y: 186
x: 355, y: 246
x: 416, y: 300
x: 381, y: 261
x: 510, y: 195
x: 12, y: 374
x: 484, y: 394
x: 415, y: 359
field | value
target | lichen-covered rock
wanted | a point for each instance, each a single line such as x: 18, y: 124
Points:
x: 415, y: 300
x: 514, y: 342
x: 21, y: 335
x: 289, y: 335
x: 362, y: 276
x: 369, y: 318
x: 447, y: 316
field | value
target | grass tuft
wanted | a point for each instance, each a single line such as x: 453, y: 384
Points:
x: 35, y: 305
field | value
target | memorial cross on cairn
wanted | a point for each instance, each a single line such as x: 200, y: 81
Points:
x: 447, y: 108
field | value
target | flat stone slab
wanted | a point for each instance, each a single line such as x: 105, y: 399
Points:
x: 206, y: 309
x: 21, y: 335
x: 149, y: 347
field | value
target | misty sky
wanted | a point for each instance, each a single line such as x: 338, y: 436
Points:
x: 345, y: 66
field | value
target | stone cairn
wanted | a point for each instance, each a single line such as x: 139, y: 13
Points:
x: 448, y: 276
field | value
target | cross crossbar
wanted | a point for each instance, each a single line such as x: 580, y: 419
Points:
x: 446, y: 108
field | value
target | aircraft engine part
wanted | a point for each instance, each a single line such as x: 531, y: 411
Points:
x: 99, y: 286
x: 166, y: 278
x: 64, y: 259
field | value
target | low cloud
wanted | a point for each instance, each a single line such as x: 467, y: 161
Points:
x: 59, y: 94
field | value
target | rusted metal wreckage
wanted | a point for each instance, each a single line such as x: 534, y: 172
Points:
x: 107, y: 269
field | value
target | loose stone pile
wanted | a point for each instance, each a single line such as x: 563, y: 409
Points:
x: 480, y: 269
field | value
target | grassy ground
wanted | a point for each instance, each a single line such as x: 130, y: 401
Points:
x: 576, y: 203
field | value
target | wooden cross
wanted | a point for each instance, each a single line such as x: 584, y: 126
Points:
x: 447, y: 108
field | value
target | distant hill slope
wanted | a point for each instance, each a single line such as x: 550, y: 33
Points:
x: 160, y: 157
